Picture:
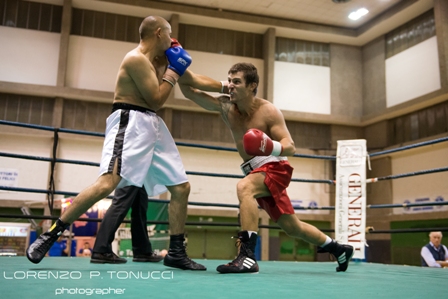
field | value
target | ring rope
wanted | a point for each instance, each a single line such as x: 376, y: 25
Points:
x: 430, y: 142
x: 408, y: 205
x: 372, y: 180
x: 404, y: 205
x: 48, y: 128
x: 51, y: 185
x: 403, y: 175
x: 330, y: 182
x: 369, y: 230
x: 333, y: 158
x: 30, y: 190
x: 192, y: 223
x: 26, y: 157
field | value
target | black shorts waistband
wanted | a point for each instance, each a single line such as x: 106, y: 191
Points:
x: 124, y: 106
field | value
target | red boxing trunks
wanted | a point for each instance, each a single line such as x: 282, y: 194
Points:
x: 278, y: 177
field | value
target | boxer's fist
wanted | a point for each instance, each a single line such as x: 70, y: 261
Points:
x: 179, y: 59
x: 257, y: 143
x: 175, y: 43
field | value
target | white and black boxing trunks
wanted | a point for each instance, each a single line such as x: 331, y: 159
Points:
x: 142, y: 145
x: 259, y: 161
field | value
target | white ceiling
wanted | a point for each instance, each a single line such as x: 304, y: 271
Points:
x: 315, y: 11
x: 316, y: 20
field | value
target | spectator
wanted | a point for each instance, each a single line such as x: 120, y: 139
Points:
x: 86, y: 247
x: 434, y: 254
x: 86, y: 253
x: 59, y: 248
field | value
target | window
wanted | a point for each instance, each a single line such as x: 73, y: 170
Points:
x: 221, y: 41
x: 30, y: 15
x: 410, y: 34
x: 305, y: 52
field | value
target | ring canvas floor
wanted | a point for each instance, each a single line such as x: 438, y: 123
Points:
x: 62, y: 277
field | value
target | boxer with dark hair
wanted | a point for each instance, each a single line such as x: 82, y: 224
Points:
x: 263, y: 142
x: 138, y: 149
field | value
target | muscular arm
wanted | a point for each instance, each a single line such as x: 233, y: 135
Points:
x: 279, y: 132
x: 203, y: 99
x: 143, y: 75
x: 200, y: 82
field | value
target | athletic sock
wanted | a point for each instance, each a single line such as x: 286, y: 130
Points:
x: 250, y: 232
x: 327, y: 241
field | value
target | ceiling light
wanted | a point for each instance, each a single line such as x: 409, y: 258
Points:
x: 357, y: 14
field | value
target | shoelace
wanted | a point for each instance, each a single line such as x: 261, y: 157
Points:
x: 184, y: 252
x: 242, y: 250
x: 238, y: 242
x: 43, y: 246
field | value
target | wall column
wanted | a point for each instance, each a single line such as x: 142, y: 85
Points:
x: 174, y: 22
x: 441, y: 20
x: 269, y: 60
x: 63, y: 46
x: 264, y: 234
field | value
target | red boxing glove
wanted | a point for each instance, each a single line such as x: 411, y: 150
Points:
x: 175, y: 43
x: 257, y: 143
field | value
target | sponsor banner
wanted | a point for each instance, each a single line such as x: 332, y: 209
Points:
x: 303, y: 203
x: 434, y: 199
x: 14, y: 231
x: 350, y: 214
x: 9, y: 177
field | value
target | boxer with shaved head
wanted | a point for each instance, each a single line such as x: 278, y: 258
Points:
x: 138, y: 149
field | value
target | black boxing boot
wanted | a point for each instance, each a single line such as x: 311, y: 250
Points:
x: 245, y: 262
x: 177, y: 255
x: 36, y: 252
x: 343, y: 253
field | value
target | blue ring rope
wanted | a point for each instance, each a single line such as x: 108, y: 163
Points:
x: 330, y: 182
x: 26, y: 157
x: 415, y: 173
x: 404, y: 205
x: 62, y: 130
x: 48, y: 128
x: 430, y: 142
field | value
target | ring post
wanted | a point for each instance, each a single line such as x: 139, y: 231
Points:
x: 350, y: 215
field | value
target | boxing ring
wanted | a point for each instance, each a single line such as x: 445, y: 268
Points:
x: 68, y: 277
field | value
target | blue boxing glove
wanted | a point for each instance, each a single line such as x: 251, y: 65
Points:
x: 179, y: 59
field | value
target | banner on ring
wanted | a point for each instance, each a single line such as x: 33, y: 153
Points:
x: 350, y: 216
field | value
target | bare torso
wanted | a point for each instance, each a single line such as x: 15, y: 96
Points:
x: 239, y: 123
x: 126, y: 90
